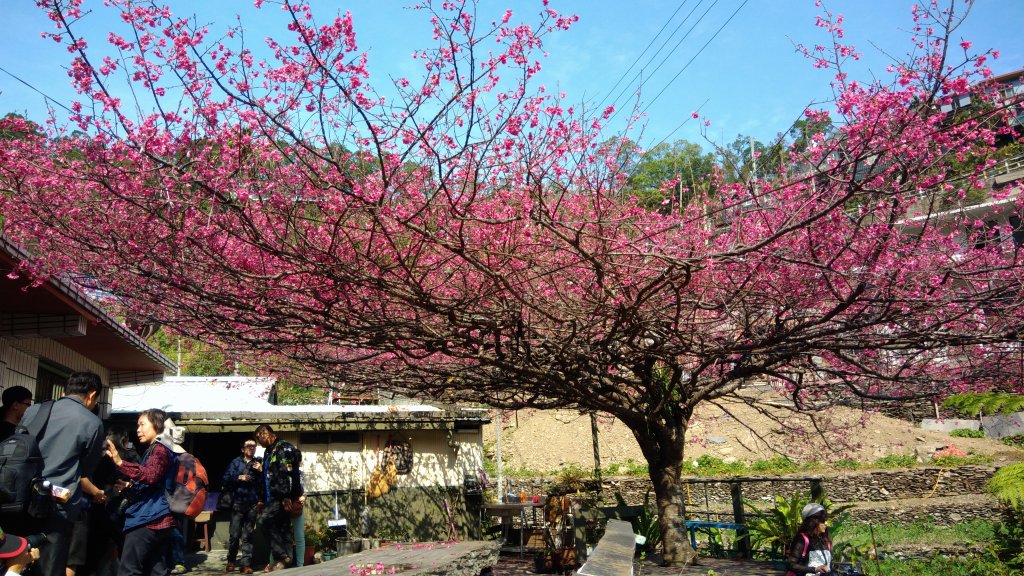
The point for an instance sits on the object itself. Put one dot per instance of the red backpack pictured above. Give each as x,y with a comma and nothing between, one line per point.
187,494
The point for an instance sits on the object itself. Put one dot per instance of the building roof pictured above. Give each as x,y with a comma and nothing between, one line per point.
238,404
107,341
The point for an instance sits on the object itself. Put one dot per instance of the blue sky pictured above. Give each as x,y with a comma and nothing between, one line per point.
748,79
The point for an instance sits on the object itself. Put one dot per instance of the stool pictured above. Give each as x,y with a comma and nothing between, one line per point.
203,520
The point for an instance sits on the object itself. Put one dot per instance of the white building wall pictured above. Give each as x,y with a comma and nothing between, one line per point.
328,467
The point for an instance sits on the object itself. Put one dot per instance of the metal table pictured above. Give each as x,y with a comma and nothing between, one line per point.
509,511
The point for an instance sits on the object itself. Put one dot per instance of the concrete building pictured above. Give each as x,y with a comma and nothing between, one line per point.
438,452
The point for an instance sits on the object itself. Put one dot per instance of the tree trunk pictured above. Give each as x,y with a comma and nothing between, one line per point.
668,491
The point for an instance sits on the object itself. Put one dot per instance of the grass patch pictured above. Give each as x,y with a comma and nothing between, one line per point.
627,468
846,464
921,533
967,433
713,467
943,566
779,464
954,461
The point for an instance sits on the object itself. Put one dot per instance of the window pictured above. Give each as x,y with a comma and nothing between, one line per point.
400,453
50,380
1018,230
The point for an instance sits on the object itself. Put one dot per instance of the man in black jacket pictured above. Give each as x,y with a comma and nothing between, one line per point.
243,484
282,487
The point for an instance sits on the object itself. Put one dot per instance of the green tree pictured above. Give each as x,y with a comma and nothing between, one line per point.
197,358
684,162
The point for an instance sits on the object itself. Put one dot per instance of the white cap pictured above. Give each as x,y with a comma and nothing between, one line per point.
811,509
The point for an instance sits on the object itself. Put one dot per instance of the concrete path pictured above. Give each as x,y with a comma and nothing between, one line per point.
422,559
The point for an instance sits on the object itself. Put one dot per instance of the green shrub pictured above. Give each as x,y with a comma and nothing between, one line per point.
1008,543
775,528
896,461
967,433
974,404
627,468
777,465
1007,484
707,465
846,464
570,479
1017,440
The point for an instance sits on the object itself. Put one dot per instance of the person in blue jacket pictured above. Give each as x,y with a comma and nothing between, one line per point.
148,520
242,480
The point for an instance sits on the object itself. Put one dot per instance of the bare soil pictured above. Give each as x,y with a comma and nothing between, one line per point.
547,441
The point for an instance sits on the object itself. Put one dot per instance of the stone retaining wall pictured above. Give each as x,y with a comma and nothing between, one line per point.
866,486
941,511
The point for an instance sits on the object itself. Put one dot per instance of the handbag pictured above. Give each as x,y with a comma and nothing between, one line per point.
225,500
292,507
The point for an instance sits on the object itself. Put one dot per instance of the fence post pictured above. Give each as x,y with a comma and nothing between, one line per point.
739,517
816,490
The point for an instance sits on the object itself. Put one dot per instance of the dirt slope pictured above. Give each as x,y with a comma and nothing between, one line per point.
550,440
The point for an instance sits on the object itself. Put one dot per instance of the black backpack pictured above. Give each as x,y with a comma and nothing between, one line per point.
21,469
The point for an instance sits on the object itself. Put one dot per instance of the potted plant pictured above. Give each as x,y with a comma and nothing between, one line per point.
315,538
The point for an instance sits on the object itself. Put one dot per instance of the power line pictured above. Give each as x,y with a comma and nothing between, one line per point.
662,47
676,129
33,88
690,61
648,47
681,40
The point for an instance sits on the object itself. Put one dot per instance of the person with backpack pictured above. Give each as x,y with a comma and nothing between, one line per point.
810,553
70,441
279,497
241,484
174,436
148,520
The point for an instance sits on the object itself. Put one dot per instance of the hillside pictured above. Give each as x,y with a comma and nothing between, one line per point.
551,440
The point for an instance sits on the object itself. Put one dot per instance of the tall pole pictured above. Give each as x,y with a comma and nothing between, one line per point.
597,449
497,450
753,159
178,373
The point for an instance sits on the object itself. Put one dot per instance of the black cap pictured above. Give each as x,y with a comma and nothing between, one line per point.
11,545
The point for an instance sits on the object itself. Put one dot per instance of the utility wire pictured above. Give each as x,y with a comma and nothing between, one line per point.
648,47
676,129
690,61
680,42
661,48
33,88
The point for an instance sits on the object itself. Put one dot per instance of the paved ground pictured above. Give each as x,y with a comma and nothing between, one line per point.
511,565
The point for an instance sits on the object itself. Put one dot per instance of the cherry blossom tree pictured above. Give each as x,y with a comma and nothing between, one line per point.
461,236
